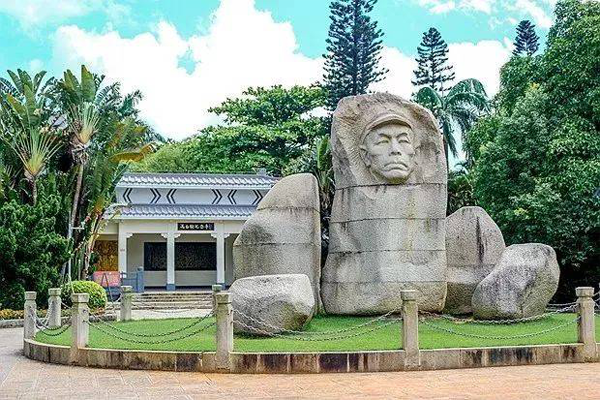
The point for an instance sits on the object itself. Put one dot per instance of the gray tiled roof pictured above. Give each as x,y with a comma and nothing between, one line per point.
158,180
157,211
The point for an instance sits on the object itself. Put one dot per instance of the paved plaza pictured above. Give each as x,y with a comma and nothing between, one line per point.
25,379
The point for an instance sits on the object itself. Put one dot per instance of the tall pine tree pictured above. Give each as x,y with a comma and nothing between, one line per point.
433,70
353,50
527,41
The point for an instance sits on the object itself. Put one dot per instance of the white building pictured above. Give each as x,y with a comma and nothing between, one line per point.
179,228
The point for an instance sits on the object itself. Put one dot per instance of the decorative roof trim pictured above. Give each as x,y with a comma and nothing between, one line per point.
193,212
196,181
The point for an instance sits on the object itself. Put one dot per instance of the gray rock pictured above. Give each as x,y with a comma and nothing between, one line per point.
283,236
474,244
280,301
521,285
387,228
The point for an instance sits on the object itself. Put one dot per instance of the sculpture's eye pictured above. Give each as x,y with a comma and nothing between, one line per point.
382,140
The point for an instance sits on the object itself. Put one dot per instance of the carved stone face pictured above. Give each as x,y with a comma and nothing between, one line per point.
388,152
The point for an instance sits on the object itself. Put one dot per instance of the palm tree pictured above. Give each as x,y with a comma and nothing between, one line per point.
105,170
457,111
79,98
27,125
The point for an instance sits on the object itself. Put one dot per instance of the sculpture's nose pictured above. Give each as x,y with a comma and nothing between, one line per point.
395,147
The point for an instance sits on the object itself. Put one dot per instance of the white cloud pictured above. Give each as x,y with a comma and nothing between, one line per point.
481,60
398,79
444,6
509,10
540,16
35,65
243,47
33,13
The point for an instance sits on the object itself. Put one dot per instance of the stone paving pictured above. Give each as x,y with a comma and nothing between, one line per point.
28,379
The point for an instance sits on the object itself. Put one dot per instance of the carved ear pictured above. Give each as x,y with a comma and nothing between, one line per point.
364,154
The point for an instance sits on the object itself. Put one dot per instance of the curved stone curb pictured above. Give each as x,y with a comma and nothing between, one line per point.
306,363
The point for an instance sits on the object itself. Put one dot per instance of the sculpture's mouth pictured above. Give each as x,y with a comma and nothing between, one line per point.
397,165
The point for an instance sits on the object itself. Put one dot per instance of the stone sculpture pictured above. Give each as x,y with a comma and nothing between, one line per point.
521,285
283,236
474,244
279,302
387,225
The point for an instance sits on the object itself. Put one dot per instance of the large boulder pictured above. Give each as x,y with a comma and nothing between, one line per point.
279,302
387,227
521,285
283,236
474,244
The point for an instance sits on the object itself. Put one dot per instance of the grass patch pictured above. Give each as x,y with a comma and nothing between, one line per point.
386,338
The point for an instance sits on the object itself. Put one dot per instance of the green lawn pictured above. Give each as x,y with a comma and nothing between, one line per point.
387,338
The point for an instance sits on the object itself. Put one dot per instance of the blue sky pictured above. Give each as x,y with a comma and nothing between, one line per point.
188,55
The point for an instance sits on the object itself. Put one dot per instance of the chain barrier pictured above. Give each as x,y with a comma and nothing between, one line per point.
499,321
162,334
321,333
45,329
315,339
108,333
172,312
55,331
477,336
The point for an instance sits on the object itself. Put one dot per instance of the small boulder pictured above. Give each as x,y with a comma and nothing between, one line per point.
521,285
474,244
279,301
283,236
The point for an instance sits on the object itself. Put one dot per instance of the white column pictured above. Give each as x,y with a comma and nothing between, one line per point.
170,236
220,236
123,236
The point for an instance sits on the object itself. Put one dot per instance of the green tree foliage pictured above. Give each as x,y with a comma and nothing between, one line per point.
264,128
527,41
433,68
456,111
31,250
536,161
460,190
353,50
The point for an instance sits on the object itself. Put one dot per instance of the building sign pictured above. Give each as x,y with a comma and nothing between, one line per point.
195,226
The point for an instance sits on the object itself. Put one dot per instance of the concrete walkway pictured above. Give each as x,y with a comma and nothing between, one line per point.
26,379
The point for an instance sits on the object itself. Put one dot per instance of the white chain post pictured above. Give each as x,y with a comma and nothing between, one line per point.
54,308
224,315
80,318
30,314
586,323
410,328
215,289
126,303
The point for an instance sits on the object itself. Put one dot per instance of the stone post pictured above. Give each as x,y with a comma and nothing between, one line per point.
80,318
54,308
410,328
586,324
224,314
29,315
126,303
215,289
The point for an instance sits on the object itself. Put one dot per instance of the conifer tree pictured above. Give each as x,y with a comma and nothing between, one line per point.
527,41
353,50
433,70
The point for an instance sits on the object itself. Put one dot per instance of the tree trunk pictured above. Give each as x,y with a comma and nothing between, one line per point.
76,196
34,191
74,210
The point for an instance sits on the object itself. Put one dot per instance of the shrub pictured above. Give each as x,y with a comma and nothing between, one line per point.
31,250
96,292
